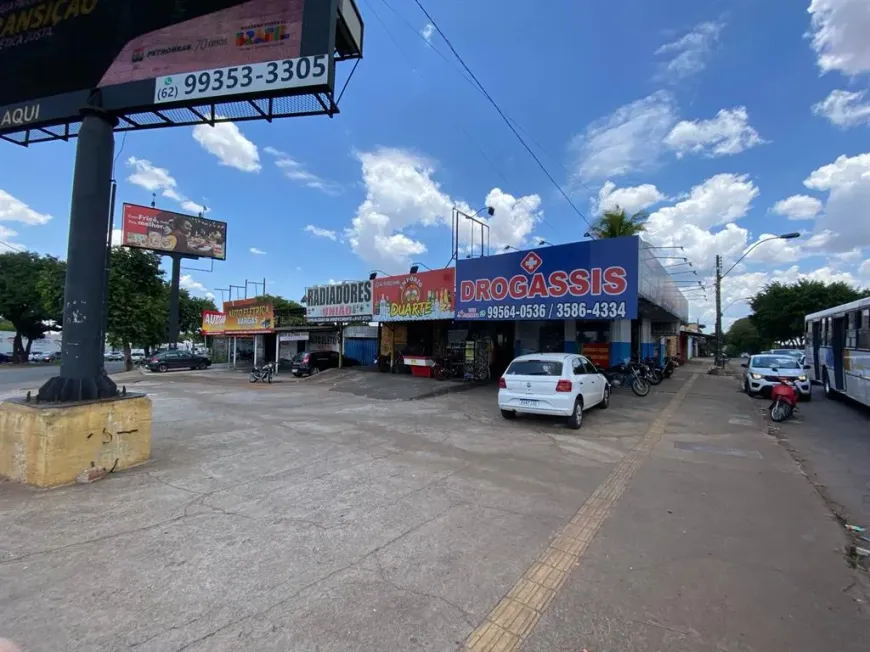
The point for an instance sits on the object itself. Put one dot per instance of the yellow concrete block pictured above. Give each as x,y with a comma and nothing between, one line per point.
49,445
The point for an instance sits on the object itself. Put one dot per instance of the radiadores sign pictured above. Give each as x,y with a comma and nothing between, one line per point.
595,279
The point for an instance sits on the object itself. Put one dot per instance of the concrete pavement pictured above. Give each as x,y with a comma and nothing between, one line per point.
293,517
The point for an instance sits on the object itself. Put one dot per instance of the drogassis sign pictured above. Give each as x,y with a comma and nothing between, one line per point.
348,301
581,280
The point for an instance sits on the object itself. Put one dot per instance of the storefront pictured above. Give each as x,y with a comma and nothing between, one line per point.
416,312
247,328
578,297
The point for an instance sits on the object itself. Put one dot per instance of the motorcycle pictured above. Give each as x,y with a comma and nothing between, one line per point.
263,374
670,365
644,370
626,374
654,371
784,399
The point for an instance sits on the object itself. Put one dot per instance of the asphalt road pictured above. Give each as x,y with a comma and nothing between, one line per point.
33,375
831,440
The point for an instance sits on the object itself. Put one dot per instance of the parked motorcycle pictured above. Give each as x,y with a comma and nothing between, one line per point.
653,371
670,366
784,399
263,374
627,375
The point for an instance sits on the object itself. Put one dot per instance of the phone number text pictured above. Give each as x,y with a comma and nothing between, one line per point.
254,78
600,310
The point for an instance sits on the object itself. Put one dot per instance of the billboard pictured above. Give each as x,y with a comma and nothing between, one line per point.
249,317
583,280
127,56
347,301
213,322
165,231
413,297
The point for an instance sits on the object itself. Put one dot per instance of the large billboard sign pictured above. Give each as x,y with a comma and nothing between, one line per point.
168,232
348,301
412,297
131,56
582,280
249,317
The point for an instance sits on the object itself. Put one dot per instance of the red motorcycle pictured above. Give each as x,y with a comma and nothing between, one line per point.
785,400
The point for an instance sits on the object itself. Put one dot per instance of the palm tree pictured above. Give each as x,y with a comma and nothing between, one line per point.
614,223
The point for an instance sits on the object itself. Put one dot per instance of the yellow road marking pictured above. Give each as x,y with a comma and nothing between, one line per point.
514,618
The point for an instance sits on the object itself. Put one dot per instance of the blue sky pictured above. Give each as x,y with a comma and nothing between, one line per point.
725,119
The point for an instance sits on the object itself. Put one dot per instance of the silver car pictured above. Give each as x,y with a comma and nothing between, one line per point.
765,370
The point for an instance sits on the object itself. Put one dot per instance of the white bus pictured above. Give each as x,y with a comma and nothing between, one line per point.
838,349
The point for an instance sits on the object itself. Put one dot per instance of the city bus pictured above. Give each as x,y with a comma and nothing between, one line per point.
838,349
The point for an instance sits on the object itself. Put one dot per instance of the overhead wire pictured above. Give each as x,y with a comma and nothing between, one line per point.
501,113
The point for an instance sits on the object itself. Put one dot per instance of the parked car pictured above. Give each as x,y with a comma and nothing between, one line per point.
49,356
113,356
5,358
556,384
764,371
177,359
137,356
309,363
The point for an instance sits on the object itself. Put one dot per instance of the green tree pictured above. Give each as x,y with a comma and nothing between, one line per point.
22,276
615,223
137,301
780,309
743,337
287,311
190,311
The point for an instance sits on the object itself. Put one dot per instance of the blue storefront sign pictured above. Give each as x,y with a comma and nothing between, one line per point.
595,279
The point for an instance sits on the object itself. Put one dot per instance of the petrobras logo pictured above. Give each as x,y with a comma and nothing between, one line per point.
531,284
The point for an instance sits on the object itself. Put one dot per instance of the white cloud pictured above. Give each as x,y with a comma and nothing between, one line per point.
296,171
864,270
402,195
775,251
628,140
15,210
845,109
798,207
839,30
117,237
720,199
191,285
320,232
149,176
7,236
847,182
257,252
427,32
632,199
688,55
400,191
514,219
229,144
728,133
193,207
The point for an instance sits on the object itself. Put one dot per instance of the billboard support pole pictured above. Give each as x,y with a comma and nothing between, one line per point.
174,308
82,373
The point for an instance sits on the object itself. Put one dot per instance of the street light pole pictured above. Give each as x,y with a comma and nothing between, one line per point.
718,309
720,276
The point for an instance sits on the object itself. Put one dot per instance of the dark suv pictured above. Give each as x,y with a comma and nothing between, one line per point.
166,360
309,363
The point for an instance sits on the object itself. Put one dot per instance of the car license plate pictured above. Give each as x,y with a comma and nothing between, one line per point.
525,402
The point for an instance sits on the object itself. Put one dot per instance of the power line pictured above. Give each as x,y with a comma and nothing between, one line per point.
502,114
13,247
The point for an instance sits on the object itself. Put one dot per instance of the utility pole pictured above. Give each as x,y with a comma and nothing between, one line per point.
718,310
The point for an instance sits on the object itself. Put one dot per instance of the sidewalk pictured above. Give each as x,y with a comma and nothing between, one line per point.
717,543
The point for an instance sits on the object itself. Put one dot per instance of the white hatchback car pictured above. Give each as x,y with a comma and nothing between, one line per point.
557,384
765,370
